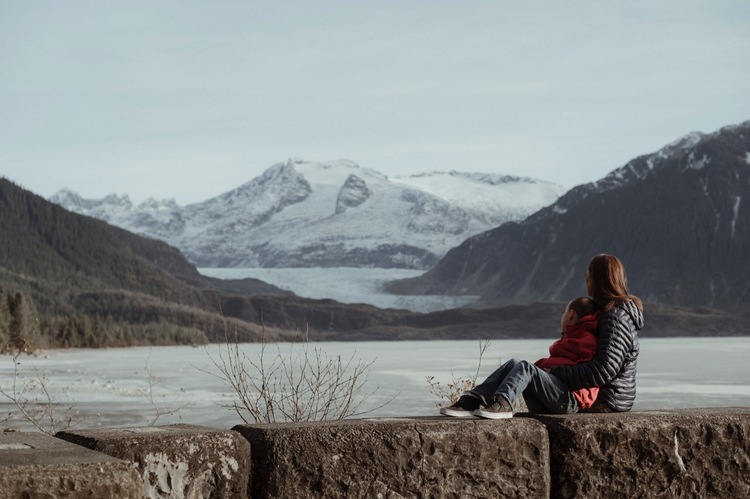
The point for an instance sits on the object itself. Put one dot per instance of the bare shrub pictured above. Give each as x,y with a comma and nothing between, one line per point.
33,400
302,383
450,392
158,408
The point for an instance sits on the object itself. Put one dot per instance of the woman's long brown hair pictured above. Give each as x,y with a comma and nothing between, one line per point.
610,285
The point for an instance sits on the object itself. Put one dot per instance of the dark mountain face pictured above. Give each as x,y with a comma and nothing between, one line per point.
679,220
55,255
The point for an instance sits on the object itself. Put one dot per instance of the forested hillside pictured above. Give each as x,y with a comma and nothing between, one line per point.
73,281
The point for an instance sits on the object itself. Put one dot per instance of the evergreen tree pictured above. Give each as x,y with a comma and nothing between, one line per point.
4,318
23,321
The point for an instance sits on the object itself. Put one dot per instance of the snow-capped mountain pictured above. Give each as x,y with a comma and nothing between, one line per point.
678,219
305,214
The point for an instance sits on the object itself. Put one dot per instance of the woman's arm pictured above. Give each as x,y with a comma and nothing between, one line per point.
614,343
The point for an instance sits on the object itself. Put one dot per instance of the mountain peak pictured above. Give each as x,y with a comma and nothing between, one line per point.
63,195
154,204
676,218
302,213
332,172
98,208
685,142
683,150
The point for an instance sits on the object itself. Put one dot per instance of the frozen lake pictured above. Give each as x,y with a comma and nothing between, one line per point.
110,388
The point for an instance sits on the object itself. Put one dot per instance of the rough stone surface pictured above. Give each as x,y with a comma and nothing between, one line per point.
36,465
177,460
410,457
682,453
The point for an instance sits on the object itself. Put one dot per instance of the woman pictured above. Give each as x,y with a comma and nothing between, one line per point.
613,368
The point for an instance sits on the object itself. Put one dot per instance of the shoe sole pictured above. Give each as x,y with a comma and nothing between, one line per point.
455,413
493,415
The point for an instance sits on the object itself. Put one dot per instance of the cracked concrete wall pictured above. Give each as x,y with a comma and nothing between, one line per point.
410,457
39,466
177,461
684,453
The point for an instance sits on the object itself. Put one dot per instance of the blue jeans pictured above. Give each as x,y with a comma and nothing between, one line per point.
542,392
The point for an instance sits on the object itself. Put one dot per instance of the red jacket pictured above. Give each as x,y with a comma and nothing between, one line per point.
577,345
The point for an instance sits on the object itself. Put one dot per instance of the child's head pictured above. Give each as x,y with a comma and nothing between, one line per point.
580,307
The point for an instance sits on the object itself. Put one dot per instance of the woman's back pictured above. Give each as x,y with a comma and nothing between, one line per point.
615,365
620,327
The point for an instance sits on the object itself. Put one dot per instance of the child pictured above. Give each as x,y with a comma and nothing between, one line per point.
578,344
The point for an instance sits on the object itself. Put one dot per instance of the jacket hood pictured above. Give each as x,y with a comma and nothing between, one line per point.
634,312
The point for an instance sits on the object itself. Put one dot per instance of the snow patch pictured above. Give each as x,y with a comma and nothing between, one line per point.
685,142
699,164
735,212
479,192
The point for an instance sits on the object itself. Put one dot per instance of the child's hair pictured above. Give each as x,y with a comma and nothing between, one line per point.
583,306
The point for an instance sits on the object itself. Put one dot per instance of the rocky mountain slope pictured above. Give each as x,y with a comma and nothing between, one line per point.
679,219
303,214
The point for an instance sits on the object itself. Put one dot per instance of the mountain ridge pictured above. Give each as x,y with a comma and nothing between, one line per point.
305,214
674,217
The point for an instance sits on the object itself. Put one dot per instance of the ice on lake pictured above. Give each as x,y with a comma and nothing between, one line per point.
140,386
132,386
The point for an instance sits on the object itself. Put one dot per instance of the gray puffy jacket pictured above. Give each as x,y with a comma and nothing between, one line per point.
613,369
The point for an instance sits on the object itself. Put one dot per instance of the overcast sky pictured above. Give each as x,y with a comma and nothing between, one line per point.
190,99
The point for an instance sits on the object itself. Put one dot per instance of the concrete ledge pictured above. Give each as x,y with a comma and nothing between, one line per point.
35,465
410,457
176,460
684,453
